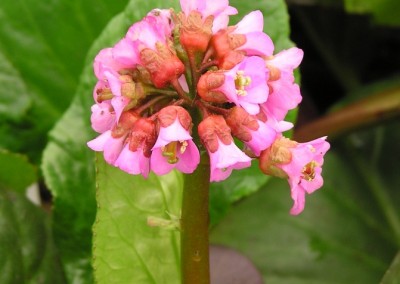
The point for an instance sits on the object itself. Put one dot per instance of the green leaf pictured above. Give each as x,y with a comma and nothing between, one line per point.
42,50
392,275
14,98
28,254
16,173
384,12
126,249
334,240
245,182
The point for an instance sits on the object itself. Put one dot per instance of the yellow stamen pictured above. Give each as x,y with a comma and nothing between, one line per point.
309,171
169,151
184,145
241,82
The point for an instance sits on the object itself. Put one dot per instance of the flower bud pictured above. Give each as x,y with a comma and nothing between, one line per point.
194,32
208,83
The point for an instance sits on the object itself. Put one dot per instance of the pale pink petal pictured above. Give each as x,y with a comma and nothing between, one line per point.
119,103
98,143
128,161
262,138
112,149
257,43
124,53
298,196
252,22
287,60
159,164
190,159
102,119
174,132
226,158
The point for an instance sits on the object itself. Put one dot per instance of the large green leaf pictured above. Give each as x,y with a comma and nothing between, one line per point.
42,49
335,240
245,182
28,254
126,249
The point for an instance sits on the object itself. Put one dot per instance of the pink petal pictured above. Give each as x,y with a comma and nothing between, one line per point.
258,43
112,149
132,162
102,119
190,159
252,22
98,143
287,60
124,53
159,164
174,132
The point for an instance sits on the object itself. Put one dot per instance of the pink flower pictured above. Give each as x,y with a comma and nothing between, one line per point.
225,159
285,94
253,132
245,85
225,156
246,38
174,147
220,10
150,39
300,163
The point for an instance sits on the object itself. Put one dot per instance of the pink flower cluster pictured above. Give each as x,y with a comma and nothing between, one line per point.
172,67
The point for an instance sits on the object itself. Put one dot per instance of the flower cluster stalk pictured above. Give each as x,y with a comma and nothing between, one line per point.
194,225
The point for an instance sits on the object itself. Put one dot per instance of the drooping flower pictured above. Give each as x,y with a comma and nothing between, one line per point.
174,147
225,156
253,132
244,85
300,163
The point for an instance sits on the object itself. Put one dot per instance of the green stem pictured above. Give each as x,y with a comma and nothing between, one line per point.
194,226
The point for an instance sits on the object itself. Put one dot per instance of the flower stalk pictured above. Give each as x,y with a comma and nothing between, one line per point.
194,225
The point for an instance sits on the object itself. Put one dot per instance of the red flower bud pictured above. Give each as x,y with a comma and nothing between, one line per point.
210,129
163,65
206,85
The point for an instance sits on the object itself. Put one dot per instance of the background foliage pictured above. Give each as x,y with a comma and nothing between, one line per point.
350,230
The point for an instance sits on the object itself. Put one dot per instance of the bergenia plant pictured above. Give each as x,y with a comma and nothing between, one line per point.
184,91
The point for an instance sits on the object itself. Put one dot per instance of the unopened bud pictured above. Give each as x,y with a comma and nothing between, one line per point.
163,65
208,83
195,33
211,128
